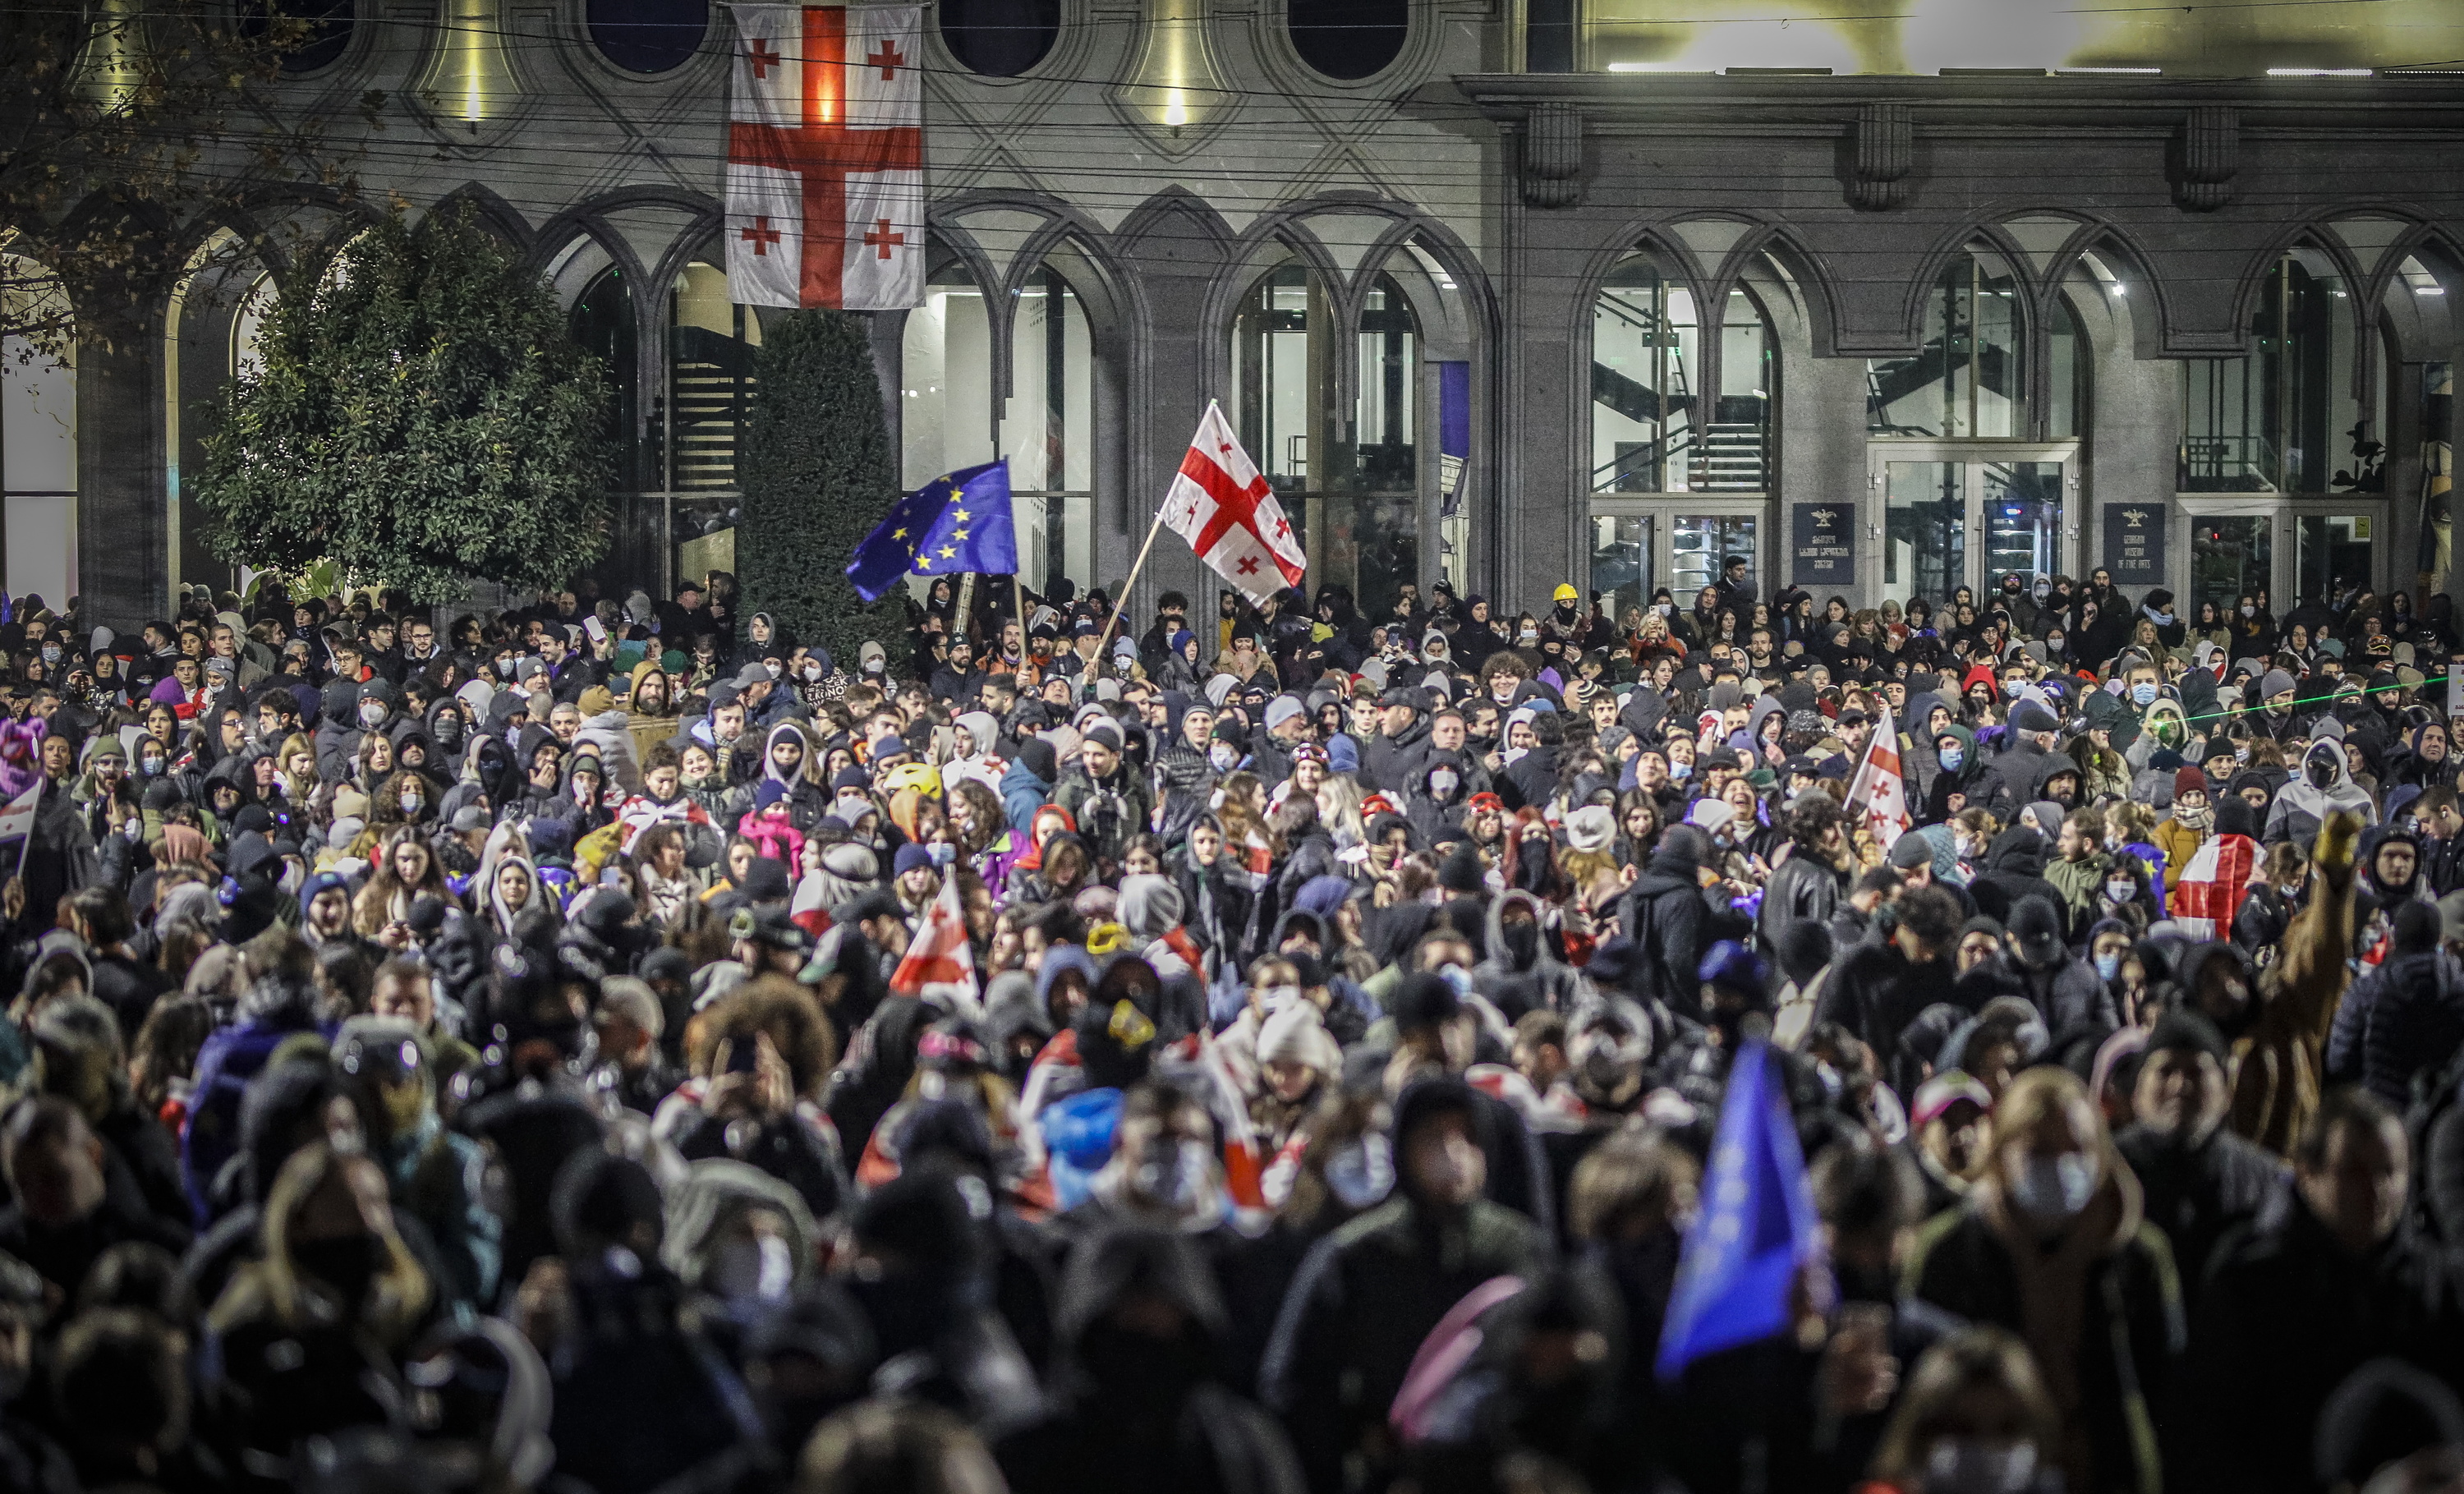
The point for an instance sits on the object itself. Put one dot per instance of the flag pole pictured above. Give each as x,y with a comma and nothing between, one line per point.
1106,641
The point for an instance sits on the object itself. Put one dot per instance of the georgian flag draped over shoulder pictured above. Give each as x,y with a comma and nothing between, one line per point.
1878,794
1219,503
825,157
2213,885
939,955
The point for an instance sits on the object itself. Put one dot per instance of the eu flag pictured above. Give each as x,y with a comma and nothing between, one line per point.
960,522
1757,1228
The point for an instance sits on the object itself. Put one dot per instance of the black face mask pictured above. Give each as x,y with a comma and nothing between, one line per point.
1138,1371
347,1265
2319,774
1523,941
1865,1284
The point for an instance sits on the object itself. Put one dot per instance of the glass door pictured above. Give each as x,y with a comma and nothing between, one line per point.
1925,530
1682,542
1960,514
1620,562
2232,556
2334,557
2293,550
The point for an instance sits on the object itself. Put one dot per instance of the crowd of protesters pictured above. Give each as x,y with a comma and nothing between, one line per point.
484,1054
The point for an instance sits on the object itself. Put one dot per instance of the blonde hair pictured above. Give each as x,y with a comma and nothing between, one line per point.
272,1285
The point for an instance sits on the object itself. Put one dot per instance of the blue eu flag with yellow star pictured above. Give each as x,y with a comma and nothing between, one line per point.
959,522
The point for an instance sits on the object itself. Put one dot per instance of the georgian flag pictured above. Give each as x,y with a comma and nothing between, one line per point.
1219,503
2213,885
825,157
1877,792
940,955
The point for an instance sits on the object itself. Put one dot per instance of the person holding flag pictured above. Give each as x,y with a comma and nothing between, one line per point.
1878,795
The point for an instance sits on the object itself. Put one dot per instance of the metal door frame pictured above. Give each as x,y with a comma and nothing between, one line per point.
1967,455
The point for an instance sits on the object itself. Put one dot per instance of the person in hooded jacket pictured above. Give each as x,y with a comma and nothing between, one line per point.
2403,1017
642,1396
2053,1244
1440,788
1026,786
1368,1295
1962,777
1667,916
2062,986
2322,784
1519,949
2013,869
1146,1402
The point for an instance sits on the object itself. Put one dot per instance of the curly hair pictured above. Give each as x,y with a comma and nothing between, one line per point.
784,1010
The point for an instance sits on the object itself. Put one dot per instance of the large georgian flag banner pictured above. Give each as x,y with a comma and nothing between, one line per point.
1221,503
825,157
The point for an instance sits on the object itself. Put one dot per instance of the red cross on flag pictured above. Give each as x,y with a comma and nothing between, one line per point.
1219,503
825,157
1878,795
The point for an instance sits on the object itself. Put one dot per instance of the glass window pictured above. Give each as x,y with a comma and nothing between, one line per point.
1645,342
1621,561
1350,485
2334,557
2230,556
1700,547
1348,38
1274,337
946,411
2067,383
38,440
2023,515
711,346
2437,475
1374,526
1925,531
602,324
248,324
999,39
1968,379
1733,443
2282,418
1047,429
648,35
329,30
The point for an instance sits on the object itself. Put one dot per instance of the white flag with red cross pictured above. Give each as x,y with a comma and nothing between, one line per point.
1221,503
825,157
940,955
1878,795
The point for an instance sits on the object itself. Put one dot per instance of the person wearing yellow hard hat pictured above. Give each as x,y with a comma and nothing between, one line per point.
1567,625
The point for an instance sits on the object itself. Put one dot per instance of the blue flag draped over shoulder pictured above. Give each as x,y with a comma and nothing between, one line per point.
1757,1227
960,522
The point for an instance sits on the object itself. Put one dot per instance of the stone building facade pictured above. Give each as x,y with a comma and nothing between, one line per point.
1512,293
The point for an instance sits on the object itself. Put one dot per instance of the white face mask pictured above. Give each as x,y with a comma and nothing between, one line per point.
1964,1467
413,804
1362,1175
2054,1188
754,1271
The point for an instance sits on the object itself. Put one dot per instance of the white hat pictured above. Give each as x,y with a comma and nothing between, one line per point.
1592,826
1296,1034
